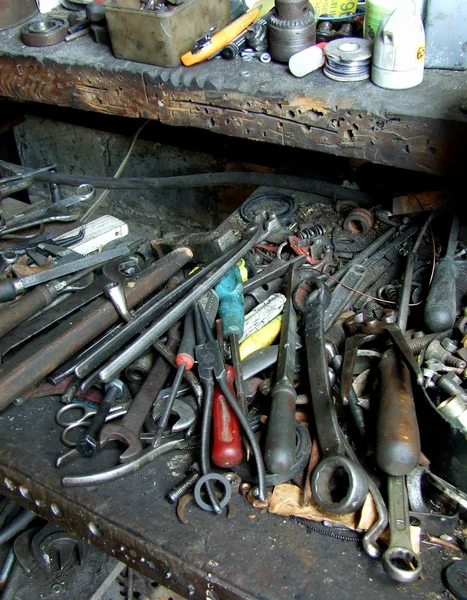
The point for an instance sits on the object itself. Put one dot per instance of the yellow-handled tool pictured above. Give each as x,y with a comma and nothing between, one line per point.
221,39
262,338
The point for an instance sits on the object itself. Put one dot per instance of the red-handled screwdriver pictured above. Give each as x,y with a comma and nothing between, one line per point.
226,440
184,361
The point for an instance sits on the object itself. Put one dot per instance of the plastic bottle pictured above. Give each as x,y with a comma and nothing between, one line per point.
375,12
308,60
399,53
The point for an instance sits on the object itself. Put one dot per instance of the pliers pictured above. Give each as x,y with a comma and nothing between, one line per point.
211,366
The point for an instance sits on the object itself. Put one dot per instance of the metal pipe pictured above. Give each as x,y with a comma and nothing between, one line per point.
159,327
68,338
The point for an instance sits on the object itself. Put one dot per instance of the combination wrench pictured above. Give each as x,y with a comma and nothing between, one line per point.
339,484
400,561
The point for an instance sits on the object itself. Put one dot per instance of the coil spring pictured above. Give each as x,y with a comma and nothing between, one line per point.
310,232
389,292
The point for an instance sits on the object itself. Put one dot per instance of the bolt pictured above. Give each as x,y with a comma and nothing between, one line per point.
245,488
436,351
449,384
436,365
185,485
452,408
419,343
449,345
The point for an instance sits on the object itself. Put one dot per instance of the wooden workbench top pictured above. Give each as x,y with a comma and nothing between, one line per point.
423,129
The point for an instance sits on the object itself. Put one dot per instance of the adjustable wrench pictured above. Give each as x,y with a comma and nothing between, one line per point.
339,484
400,548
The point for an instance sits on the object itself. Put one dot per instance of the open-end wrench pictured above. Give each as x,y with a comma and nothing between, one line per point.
128,429
339,484
400,551
185,412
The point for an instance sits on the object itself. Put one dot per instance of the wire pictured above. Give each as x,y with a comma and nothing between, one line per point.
105,193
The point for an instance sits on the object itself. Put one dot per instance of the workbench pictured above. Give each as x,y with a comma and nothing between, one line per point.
253,555
423,129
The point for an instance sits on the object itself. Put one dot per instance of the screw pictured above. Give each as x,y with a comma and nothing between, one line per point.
185,485
436,351
449,385
436,365
419,343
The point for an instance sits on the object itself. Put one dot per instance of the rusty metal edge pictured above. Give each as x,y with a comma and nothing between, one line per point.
135,551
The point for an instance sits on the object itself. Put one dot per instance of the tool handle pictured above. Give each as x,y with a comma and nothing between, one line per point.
231,310
280,445
226,440
14,314
397,433
440,306
221,39
263,338
7,290
185,355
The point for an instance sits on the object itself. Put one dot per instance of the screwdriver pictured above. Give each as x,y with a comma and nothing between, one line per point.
226,444
221,39
231,312
184,361
280,446
440,306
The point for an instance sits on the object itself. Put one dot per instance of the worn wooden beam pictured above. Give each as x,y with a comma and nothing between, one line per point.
303,120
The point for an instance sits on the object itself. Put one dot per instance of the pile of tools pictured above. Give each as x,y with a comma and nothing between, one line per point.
295,352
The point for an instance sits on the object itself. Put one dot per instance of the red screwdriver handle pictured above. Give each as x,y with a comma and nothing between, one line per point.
226,444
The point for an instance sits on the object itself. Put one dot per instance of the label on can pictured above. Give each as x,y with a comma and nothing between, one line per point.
336,8
375,12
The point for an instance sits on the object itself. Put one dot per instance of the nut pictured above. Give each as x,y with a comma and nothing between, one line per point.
449,345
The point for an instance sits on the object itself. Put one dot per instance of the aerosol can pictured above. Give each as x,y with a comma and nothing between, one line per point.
399,52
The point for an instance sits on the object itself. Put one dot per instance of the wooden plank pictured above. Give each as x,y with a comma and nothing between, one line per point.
421,143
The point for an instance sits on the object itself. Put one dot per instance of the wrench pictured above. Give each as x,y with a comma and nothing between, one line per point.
185,413
339,484
400,549
128,429
265,226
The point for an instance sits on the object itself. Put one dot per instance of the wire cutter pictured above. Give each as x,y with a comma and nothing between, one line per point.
211,366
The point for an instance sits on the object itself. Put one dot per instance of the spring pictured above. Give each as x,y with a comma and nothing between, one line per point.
389,292
310,232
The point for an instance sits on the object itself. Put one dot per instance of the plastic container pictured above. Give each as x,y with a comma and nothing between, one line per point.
398,56
375,12
307,60
161,38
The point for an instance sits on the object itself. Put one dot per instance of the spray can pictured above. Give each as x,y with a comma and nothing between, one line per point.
399,53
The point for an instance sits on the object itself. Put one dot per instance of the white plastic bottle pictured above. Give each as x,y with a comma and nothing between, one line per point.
399,52
307,61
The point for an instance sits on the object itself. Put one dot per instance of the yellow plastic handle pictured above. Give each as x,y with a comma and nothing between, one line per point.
262,338
221,39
